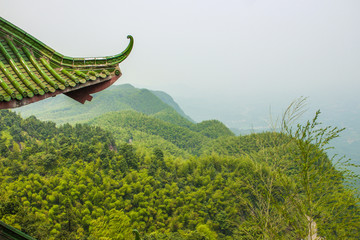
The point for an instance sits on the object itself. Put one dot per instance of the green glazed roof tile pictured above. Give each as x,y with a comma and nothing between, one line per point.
30,69
11,233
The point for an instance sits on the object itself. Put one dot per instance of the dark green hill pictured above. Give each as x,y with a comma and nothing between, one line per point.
132,121
150,117
171,116
213,129
116,98
171,132
240,145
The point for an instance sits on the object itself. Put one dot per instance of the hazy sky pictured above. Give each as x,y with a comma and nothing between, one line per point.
218,58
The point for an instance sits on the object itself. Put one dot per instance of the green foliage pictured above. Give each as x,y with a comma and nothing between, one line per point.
213,129
76,182
116,226
182,137
169,101
116,98
241,145
320,183
171,116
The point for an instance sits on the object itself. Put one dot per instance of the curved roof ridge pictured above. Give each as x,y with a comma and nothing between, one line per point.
31,71
58,58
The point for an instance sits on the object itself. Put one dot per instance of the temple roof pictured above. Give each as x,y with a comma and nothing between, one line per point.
10,233
31,71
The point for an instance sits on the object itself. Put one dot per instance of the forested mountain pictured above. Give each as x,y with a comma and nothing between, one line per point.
170,101
79,182
148,118
126,125
138,162
131,121
213,129
63,109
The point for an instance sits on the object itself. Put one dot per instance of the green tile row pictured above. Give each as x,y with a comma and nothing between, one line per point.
58,58
29,68
25,76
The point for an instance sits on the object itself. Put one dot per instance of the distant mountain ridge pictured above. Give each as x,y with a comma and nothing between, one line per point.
166,98
148,118
116,98
133,125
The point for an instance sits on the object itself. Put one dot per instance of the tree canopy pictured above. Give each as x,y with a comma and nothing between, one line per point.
88,182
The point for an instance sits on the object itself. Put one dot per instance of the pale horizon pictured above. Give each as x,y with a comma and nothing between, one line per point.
212,56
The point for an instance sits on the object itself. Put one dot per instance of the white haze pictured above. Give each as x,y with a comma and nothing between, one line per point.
220,59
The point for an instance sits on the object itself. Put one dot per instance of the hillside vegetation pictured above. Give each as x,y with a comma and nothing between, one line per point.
75,182
142,164
184,138
63,109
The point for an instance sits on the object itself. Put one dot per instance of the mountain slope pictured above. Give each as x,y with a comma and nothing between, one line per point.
182,137
75,182
213,129
150,118
172,116
116,98
170,101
